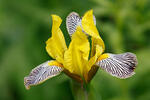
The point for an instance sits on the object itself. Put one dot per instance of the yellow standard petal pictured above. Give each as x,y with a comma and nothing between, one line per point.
96,51
96,42
88,24
90,28
56,46
93,59
76,57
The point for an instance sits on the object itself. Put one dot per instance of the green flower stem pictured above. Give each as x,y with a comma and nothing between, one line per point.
80,90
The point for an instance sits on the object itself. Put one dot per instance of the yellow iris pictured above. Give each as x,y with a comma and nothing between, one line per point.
79,60
75,58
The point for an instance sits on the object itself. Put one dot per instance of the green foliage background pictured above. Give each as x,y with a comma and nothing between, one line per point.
25,25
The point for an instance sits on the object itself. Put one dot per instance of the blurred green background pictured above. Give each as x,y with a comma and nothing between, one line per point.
25,25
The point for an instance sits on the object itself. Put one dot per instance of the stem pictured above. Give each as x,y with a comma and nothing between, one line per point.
79,90
85,94
84,87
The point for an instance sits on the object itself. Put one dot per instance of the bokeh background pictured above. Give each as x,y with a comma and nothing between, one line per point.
25,25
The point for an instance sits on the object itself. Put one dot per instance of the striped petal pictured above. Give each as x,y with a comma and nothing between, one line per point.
118,65
42,73
72,21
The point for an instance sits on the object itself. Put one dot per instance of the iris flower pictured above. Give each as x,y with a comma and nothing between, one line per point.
84,55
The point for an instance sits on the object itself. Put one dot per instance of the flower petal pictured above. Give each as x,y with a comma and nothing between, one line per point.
88,24
118,65
91,67
93,59
56,45
76,57
72,21
42,73
96,42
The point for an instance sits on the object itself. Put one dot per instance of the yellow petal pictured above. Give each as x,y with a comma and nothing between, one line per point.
90,28
91,62
55,63
93,59
56,46
96,51
88,24
103,56
96,42
76,57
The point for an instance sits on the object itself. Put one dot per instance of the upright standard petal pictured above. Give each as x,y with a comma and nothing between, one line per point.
93,59
96,42
118,65
88,24
55,45
76,57
42,73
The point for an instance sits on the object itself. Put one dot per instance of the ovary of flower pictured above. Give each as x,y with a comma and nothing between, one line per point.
80,60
